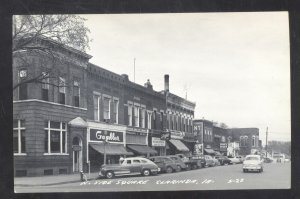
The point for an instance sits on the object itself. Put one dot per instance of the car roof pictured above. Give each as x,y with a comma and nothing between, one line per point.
253,156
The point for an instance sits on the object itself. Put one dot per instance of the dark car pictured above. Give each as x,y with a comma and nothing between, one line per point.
180,164
223,160
129,166
165,163
198,161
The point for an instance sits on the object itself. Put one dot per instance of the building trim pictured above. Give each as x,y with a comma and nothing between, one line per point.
53,103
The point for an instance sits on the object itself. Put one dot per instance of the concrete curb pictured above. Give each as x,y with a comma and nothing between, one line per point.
49,184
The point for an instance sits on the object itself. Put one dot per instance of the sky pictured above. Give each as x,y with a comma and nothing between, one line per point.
235,66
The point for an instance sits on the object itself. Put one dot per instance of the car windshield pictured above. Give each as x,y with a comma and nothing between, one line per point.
252,158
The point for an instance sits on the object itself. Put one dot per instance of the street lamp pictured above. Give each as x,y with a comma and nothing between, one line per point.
105,142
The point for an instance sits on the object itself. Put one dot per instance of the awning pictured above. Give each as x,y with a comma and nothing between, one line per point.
141,149
179,145
209,151
217,153
110,149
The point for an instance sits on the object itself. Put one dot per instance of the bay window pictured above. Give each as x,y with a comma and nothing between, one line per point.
45,86
62,90
76,93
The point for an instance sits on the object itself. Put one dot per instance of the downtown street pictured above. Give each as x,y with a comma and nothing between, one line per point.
230,177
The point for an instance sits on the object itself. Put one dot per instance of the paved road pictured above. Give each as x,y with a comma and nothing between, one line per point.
275,176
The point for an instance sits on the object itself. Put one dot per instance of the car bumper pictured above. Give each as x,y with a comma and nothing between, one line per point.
252,167
155,170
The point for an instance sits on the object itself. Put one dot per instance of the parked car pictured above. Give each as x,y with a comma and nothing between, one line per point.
180,164
223,160
267,160
241,158
209,161
197,161
192,162
129,166
216,161
253,163
234,160
165,163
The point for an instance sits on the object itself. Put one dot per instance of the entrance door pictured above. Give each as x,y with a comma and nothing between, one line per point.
77,154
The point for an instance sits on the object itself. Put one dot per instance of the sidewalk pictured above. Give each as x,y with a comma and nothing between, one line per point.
51,180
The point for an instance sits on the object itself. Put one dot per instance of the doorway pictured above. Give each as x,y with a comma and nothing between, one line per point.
77,154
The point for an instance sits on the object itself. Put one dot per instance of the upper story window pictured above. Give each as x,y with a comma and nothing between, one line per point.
129,115
19,141
45,86
154,119
136,116
106,108
23,86
55,137
96,101
143,117
115,110
149,121
62,90
161,120
76,93
243,141
253,141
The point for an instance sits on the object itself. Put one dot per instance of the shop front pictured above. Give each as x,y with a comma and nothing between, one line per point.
137,142
106,144
176,144
159,145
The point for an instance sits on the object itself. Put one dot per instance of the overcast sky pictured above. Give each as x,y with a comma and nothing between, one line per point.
235,66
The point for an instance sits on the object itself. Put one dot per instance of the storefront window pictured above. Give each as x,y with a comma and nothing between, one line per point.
19,141
55,138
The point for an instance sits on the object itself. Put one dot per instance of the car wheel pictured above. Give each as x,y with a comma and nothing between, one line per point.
244,170
178,168
109,174
169,170
146,172
261,170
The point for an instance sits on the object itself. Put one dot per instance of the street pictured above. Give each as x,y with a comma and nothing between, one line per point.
275,176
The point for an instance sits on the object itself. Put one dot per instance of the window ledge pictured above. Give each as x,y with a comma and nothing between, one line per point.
56,154
20,154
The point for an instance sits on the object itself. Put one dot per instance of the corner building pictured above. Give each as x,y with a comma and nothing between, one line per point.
79,115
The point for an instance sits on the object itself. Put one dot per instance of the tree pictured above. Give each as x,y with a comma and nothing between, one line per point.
65,30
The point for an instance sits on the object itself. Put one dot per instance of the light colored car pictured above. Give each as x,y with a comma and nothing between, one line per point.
234,160
129,166
253,163
216,161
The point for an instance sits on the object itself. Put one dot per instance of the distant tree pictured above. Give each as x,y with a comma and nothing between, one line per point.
65,30
223,125
280,146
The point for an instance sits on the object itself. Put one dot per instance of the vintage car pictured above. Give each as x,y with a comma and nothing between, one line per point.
223,160
165,163
192,162
253,163
180,164
129,166
209,161
235,160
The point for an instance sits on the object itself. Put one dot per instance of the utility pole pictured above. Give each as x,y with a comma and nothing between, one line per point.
134,70
267,143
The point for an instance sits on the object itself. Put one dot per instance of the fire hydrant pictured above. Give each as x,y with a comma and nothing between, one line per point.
82,176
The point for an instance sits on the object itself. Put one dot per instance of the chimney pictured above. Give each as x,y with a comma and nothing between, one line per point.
167,83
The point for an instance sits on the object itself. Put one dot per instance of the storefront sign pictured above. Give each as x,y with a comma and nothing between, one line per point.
198,149
109,136
136,131
223,146
177,135
158,142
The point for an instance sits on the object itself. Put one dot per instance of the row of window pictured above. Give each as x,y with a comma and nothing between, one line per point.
102,108
23,95
55,137
175,122
244,141
208,135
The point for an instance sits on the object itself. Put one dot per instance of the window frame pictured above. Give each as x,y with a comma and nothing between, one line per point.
105,97
98,97
116,110
19,128
136,115
76,85
61,130
129,113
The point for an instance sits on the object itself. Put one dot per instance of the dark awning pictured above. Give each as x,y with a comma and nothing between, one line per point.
209,151
141,149
110,149
179,145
